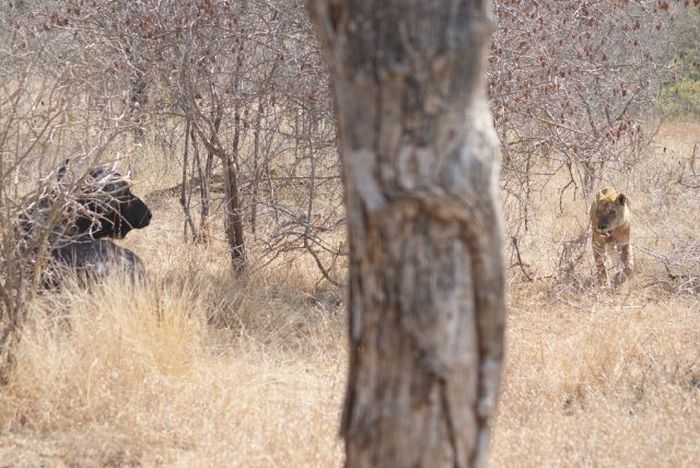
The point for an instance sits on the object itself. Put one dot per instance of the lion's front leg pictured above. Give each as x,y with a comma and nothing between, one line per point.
599,258
625,252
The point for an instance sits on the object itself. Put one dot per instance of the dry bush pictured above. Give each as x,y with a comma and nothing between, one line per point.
235,93
43,121
198,367
574,84
575,92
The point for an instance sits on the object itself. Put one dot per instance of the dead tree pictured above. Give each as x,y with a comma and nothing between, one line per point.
420,168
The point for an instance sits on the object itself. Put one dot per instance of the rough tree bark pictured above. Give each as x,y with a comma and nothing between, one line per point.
233,220
421,166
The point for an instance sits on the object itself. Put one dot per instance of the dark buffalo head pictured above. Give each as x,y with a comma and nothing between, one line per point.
106,207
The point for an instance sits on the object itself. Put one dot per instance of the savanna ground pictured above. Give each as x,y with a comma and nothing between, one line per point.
202,369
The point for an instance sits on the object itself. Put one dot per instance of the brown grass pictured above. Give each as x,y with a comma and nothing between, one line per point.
201,369
607,381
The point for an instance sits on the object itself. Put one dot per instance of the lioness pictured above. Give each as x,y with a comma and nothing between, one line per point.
610,220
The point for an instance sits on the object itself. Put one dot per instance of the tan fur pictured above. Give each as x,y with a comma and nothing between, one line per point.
610,222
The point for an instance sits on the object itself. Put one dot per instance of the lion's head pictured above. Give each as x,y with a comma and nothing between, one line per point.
609,211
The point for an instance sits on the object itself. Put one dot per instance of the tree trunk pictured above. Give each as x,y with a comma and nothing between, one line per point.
234,218
421,166
256,168
233,221
184,192
234,213
204,190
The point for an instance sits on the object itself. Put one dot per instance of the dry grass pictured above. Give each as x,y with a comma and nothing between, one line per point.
607,381
201,369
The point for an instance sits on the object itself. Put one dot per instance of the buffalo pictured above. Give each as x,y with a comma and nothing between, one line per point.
92,210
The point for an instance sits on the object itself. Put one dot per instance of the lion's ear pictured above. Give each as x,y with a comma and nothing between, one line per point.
621,199
601,195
